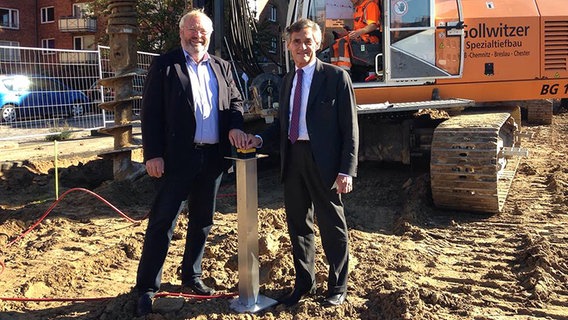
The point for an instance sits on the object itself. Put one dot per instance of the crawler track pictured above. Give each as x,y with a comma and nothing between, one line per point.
468,169
510,265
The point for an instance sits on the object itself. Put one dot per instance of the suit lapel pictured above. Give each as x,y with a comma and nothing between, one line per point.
285,105
317,83
218,75
180,66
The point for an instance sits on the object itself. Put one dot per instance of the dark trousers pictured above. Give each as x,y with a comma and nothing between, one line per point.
306,197
199,186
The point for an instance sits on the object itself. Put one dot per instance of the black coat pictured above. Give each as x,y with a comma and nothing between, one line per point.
331,118
168,120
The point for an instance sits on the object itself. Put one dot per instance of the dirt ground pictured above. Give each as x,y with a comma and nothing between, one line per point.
409,260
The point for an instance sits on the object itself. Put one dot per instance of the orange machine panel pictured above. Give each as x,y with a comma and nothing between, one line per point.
554,28
552,8
502,40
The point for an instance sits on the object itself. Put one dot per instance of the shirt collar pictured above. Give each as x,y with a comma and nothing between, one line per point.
309,69
188,58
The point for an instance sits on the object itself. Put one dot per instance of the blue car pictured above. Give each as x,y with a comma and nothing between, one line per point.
28,97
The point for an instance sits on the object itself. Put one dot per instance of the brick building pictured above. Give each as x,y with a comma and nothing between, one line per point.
271,17
59,24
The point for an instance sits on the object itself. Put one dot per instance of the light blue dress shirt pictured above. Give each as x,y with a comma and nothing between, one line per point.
205,92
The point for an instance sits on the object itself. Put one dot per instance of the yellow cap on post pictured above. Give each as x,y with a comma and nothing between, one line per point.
246,153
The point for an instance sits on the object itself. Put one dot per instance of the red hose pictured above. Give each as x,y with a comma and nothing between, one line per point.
158,295
162,294
55,299
61,198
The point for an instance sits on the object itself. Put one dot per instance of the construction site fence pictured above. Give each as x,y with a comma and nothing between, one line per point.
44,81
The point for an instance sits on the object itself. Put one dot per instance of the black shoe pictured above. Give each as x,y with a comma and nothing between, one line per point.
295,296
334,299
200,288
144,306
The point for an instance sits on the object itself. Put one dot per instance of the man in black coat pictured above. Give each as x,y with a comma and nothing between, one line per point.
192,113
318,149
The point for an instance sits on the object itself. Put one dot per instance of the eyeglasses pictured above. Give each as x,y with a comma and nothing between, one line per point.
198,30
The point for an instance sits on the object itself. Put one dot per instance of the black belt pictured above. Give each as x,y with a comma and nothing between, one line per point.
204,145
299,141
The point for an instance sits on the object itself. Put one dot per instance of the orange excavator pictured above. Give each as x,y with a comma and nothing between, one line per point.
450,82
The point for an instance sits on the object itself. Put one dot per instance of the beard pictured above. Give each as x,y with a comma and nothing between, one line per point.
195,48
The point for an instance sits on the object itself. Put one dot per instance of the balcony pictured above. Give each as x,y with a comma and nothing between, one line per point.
76,24
75,57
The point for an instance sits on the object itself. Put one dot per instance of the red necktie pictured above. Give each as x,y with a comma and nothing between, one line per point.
296,106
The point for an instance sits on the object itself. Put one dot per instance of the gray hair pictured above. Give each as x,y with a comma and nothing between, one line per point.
302,24
196,13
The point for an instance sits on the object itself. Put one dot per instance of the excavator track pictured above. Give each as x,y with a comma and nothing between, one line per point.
469,169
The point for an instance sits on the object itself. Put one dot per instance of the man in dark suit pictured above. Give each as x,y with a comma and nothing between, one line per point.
318,149
192,113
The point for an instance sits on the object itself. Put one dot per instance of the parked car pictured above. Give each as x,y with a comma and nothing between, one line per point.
24,96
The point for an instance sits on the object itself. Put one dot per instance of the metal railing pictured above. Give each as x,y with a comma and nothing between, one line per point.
77,24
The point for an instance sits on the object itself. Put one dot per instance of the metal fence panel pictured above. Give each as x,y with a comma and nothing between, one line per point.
47,92
144,59
50,91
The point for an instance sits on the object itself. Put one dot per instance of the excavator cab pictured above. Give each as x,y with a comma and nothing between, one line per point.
420,40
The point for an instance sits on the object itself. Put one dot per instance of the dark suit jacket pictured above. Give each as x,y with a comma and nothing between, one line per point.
168,121
331,118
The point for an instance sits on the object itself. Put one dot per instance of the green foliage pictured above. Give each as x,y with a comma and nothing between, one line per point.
158,23
158,29
64,135
60,132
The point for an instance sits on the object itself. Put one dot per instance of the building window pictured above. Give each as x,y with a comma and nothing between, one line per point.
9,54
9,18
48,43
272,13
7,43
78,43
273,45
80,10
47,14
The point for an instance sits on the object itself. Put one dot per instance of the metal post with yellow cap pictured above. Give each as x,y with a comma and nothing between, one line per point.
249,299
